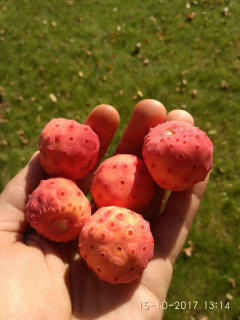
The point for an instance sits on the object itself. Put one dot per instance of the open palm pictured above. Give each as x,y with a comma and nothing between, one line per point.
40,279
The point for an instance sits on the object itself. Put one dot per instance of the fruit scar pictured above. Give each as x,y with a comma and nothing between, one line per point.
177,155
68,148
117,244
57,209
124,181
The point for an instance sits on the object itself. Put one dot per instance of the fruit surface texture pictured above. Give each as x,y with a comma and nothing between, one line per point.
124,181
68,148
117,244
57,209
177,155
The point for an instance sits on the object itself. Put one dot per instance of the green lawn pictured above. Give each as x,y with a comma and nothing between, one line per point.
84,53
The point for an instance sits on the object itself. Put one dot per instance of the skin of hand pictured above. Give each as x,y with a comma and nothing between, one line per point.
40,279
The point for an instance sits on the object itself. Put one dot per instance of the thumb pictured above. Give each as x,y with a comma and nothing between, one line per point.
13,223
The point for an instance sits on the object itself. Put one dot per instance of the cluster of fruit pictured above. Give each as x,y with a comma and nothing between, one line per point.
115,241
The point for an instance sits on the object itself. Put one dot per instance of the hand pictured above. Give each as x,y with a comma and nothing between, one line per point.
40,279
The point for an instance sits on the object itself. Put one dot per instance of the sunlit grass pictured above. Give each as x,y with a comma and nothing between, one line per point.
84,52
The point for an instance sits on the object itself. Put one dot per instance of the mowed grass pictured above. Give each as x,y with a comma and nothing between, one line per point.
85,54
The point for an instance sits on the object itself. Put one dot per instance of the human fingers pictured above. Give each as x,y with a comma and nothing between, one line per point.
161,195
104,120
146,114
172,226
180,115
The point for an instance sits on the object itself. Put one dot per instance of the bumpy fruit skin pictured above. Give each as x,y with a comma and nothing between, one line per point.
177,155
124,181
117,244
57,209
68,148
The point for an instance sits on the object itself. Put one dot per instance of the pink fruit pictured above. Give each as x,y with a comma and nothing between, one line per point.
58,209
68,148
117,244
122,180
177,155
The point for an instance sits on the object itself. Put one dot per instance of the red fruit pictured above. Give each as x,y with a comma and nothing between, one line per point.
68,148
177,155
117,244
123,181
58,209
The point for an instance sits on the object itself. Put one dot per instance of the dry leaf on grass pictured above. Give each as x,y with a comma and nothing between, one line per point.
232,281
138,45
3,143
224,85
194,93
190,16
229,297
53,98
190,243
188,251
212,132
185,72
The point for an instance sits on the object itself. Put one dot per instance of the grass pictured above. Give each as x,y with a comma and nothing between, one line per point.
84,53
